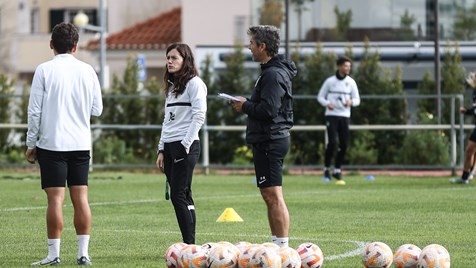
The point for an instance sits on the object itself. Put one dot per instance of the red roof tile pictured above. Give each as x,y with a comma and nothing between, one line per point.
154,33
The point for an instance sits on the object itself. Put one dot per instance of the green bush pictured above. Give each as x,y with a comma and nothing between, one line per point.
112,150
362,150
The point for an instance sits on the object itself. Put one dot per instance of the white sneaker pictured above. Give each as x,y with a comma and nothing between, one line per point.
46,261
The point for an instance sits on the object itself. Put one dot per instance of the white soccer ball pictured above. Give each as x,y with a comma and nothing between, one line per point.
193,256
172,255
247,255
289,258
270,245
434,256
232,247
311,255
243,245
209,245
266,257
377,255
222,257
406,256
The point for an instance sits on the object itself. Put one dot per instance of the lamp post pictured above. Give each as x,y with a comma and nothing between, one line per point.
81,20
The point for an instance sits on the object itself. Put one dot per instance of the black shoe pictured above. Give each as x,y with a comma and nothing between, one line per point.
86,261
327,174
337,175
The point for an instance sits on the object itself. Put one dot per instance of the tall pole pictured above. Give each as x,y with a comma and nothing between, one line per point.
102,42
286,4
437,59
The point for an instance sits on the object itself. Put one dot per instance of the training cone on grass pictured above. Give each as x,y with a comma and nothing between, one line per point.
229,215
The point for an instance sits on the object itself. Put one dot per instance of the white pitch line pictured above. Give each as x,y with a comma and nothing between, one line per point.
360,244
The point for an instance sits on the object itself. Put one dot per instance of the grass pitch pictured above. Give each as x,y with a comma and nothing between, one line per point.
133,224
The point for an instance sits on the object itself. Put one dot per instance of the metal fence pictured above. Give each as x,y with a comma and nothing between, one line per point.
456,137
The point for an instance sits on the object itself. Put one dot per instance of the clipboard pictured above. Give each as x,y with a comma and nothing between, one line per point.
227,97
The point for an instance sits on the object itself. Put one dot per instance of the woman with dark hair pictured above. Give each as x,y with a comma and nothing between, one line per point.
179,147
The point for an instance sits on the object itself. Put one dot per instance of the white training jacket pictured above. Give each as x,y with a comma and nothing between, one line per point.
337,92
65,93
184,114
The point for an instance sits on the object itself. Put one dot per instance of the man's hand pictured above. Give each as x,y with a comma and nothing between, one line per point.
30,155
238,105
462,110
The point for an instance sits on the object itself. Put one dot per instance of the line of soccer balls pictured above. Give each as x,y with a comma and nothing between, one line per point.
379,255
224,254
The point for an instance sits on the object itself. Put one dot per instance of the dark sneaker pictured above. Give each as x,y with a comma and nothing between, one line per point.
337,175
86,261
327,174
459,181
46,261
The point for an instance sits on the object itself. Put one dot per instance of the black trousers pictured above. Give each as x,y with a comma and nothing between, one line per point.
178,167
337,128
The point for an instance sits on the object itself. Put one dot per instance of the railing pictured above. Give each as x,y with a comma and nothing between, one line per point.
455,131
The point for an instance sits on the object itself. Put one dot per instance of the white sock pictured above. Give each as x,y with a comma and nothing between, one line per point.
273,239
337,170
53,248
83,245
282,242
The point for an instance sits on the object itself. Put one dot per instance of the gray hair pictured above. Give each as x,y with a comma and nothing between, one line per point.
267,34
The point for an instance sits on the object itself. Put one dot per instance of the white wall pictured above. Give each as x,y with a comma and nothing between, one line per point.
206,22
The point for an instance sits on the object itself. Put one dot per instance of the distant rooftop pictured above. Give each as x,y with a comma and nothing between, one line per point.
154,33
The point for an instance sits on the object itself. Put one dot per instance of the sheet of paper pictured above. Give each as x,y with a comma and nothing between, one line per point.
227,97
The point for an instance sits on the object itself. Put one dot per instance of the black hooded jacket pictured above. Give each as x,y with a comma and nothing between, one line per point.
270,108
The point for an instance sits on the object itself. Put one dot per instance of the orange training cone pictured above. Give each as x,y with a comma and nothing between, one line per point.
229,215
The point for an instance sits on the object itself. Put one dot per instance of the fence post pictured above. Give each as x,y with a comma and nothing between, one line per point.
453,138
205,143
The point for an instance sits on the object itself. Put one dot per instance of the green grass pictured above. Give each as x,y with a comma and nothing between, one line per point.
133,224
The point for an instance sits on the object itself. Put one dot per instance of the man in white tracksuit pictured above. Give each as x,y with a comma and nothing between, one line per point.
338,94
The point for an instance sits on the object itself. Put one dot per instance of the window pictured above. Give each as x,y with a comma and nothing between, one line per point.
35,20
60,15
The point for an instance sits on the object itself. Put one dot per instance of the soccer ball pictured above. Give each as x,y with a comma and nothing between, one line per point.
266,257
434,256
270,245
232,247
193,256
311,255
243,245
289,258
247,255
377,255
209,245
406,256
222,257
172,255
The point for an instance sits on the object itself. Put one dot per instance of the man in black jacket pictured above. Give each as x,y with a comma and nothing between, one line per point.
270,117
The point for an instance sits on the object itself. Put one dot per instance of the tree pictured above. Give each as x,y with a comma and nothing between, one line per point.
6,88
313,70
343,20
299,7
377,81
234,80
271,13
463,26
129,104
406,22
452,74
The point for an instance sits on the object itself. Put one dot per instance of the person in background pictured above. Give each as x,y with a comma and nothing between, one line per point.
470,151
338,94
65,93
179,146
270,117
